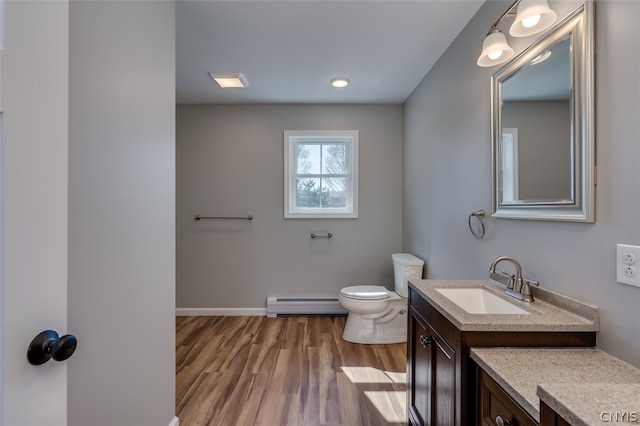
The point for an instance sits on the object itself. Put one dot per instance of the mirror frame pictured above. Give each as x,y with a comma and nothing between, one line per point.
582,206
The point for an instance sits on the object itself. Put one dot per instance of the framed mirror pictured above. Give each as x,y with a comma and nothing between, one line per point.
542,126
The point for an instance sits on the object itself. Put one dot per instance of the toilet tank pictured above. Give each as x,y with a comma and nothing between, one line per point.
405,267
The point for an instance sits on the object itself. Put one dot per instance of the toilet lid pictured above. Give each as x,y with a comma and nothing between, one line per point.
369,292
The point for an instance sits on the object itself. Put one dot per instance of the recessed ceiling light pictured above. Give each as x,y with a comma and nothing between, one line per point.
340,82
229,79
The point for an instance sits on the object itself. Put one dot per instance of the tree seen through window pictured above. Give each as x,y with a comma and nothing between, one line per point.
321,175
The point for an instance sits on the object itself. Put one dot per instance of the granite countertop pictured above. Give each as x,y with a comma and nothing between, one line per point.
585,386
548,312
593,403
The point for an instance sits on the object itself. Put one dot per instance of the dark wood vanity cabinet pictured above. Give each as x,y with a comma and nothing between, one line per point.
441,379
494,403
548,417
496,408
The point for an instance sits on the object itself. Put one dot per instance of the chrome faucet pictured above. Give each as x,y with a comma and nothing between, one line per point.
516,285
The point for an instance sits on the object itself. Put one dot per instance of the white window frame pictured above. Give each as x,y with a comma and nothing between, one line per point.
294,137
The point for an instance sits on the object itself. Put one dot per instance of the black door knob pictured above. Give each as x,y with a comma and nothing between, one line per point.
48,344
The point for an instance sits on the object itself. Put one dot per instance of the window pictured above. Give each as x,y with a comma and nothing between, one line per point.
509,159
321,174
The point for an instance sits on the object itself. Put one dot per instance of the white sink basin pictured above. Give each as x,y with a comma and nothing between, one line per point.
480,301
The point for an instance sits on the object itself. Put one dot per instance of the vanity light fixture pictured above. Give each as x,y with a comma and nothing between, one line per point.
340,82
229,79
531,17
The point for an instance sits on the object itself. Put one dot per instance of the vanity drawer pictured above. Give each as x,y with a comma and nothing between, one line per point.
493,402
548,417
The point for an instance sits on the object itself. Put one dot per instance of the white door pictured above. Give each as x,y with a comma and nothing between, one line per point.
88,211
34,95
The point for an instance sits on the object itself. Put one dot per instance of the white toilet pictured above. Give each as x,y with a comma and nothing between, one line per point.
377,315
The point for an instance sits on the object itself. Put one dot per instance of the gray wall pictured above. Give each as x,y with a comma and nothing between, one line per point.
230,162
544,137
447,176
122,213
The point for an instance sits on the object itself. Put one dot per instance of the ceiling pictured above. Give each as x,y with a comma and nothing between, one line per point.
289,50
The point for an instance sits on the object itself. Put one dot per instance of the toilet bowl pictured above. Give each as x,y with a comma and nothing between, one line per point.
376,314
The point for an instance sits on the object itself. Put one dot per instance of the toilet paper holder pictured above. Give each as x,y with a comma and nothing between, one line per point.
327,235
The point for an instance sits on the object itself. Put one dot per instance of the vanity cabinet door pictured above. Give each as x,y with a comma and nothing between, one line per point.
444,382
419,375
431,376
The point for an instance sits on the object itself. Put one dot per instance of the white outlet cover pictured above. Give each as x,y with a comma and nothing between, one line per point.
625,273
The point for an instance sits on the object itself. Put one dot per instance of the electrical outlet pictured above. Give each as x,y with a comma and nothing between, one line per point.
627,264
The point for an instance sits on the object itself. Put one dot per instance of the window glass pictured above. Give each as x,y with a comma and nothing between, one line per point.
308,158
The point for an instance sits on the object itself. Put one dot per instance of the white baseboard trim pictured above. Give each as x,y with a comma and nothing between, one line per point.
175,422
221,312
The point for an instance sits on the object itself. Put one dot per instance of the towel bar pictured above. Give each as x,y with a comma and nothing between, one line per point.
198,217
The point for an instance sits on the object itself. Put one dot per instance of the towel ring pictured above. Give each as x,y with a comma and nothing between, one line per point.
479,215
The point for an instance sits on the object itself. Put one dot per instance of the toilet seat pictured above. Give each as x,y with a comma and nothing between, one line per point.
365,292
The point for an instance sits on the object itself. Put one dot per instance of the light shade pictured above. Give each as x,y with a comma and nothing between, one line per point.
229,79
532,17
340,82
495,49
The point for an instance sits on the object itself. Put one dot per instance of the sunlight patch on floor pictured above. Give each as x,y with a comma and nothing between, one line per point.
392,405
397,377
373,375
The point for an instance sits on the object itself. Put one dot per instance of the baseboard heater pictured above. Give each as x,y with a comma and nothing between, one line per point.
292,306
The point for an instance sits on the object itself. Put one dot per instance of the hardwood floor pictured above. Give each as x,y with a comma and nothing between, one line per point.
294,371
